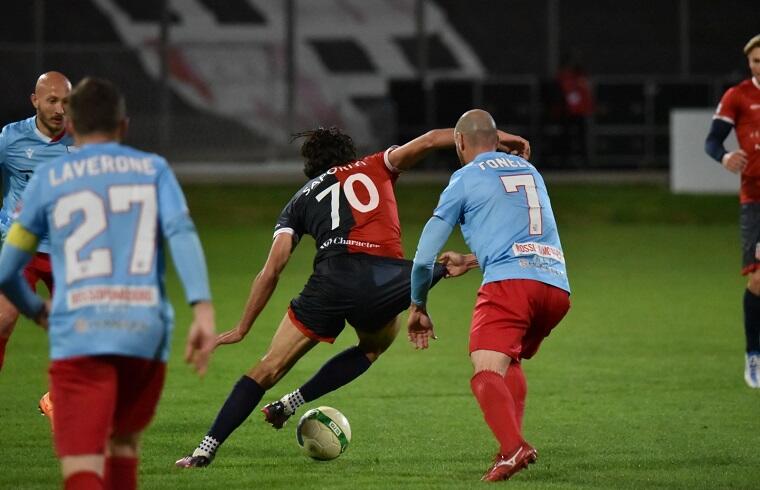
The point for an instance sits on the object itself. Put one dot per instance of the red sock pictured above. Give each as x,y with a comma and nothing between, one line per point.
121,473
3,343
84,480
517,386
498,409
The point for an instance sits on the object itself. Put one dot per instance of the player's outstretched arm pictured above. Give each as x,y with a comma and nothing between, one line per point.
516,145
409,154
263,286
457,264
201,337
419,325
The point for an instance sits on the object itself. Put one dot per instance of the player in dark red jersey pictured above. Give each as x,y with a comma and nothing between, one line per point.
740,109
360,276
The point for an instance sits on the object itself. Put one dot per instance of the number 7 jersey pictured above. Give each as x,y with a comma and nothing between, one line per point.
350,208
106,209
506,217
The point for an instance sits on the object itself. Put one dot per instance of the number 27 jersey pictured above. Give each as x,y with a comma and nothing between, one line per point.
351,208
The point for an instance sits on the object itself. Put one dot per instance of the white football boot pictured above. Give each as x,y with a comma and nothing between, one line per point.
752,370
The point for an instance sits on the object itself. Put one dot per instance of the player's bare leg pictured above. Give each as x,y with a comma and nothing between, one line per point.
752,329
500,413
85,470
287,347
336,372
8,318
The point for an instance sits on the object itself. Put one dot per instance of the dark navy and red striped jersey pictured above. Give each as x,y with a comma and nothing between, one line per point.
350,208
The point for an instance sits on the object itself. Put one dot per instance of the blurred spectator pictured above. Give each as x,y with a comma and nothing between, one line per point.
577,106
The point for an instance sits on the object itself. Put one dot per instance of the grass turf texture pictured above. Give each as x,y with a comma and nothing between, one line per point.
640,387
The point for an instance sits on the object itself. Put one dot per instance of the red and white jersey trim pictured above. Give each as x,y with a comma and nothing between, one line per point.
387,160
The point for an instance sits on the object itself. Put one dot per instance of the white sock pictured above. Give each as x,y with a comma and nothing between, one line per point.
207,447
292,401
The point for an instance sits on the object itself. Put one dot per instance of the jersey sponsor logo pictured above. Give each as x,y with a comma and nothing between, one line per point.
29,152
342,241
542,264
85,325
754,107
112,296
533,248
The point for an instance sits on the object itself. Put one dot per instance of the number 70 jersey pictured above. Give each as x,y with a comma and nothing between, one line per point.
502,205
351,208
106,209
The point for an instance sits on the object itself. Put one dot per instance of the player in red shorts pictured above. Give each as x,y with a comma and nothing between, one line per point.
501,203
740,109
25,145
109,211
359,277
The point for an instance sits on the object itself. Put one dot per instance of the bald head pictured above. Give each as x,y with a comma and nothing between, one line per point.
52,80
49,93
475,133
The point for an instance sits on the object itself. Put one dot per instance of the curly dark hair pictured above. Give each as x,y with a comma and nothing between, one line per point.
325,148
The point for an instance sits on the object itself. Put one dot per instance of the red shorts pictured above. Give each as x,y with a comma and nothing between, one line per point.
513,316
99,396
39,269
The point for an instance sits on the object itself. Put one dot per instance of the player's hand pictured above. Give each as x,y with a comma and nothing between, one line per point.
454,262
420,327
232,336
514,145
735,161
42,317
200,339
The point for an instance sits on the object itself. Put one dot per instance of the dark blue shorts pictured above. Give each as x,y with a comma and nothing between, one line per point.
750,227
363,290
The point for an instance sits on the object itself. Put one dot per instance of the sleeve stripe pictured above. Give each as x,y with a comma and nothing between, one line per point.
724,118
21,238
284,230
388,162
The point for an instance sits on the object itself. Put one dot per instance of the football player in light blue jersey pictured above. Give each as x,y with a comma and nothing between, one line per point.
107,210
502,206
25,145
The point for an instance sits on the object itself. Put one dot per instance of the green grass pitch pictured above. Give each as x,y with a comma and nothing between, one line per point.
639,387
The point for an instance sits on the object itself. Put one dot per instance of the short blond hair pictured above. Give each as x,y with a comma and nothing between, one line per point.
752,44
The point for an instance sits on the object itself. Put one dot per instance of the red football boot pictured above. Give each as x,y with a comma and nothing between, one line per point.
504,467
46,408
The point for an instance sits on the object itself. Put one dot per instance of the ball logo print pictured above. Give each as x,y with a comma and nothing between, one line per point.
323,433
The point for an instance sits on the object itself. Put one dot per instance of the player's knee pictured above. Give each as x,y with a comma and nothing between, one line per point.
124,445
374,349
753,283
82,463
268,372
8,318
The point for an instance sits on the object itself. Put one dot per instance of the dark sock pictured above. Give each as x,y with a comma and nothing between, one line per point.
338,371
752,321
239,404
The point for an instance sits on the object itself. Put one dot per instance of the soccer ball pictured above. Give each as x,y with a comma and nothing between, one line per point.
323,433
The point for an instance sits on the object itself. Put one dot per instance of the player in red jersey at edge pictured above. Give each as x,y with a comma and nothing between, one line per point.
740,109
359,277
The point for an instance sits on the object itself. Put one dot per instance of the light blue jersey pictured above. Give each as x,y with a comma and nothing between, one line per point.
106,209
506,217
23,148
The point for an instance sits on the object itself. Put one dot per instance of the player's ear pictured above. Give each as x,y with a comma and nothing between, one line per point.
33,98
